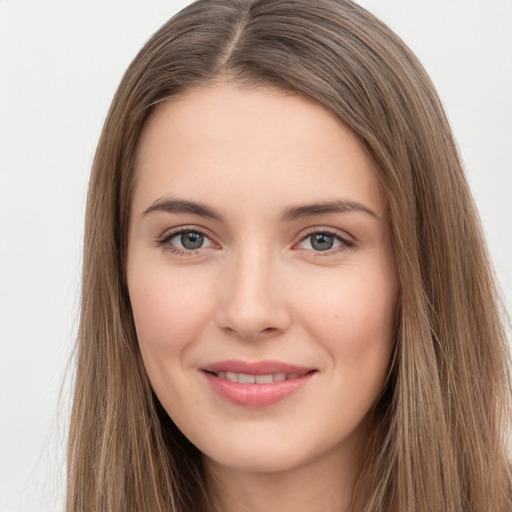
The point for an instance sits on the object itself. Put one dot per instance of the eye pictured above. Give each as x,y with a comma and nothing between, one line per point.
321,241
186,240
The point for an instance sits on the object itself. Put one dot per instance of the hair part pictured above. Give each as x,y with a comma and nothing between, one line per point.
441,421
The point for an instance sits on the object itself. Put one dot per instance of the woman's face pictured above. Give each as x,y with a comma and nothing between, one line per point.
261,276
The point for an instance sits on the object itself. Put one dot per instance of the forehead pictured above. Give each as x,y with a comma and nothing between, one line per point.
233,143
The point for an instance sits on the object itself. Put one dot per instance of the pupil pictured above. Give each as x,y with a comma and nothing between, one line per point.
322,242
192,240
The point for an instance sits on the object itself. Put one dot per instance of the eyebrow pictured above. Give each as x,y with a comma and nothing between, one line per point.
289,214
339,206
181,206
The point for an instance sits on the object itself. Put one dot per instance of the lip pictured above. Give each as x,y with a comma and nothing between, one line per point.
256,395
255,368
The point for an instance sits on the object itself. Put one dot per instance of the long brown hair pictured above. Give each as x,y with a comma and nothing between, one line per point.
441,421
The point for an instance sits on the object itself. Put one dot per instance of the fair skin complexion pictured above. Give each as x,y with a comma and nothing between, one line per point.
258,233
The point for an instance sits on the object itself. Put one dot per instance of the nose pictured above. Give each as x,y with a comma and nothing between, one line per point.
252,305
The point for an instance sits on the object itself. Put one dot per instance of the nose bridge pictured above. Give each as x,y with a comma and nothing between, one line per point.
252,305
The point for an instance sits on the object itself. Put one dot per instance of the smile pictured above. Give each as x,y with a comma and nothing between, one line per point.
259,384
245,378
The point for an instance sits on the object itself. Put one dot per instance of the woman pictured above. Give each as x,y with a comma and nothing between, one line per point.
287,301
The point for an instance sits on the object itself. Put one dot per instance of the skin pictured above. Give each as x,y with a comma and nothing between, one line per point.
259,289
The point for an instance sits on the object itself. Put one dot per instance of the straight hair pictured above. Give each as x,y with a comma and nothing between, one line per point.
441,421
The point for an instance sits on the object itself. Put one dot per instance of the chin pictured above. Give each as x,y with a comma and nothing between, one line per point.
256,451
256,461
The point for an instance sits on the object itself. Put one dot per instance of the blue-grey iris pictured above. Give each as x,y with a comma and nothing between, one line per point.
322,241
192,240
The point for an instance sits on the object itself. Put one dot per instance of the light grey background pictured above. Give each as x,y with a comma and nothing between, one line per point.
60,62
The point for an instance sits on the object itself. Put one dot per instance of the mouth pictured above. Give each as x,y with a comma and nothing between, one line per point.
257,384
247,378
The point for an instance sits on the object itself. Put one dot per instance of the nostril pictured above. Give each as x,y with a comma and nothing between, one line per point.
254,334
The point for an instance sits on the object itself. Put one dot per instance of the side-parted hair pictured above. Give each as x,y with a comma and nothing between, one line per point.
442,419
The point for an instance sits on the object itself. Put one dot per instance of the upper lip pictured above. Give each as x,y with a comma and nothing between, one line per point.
265,367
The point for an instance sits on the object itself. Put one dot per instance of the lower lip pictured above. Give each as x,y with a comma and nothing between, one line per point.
256,395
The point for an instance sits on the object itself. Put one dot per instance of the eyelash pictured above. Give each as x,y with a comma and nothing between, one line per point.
345,243
164,242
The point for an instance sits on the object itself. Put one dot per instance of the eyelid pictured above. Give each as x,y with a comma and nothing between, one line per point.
168,235
171,233
346,241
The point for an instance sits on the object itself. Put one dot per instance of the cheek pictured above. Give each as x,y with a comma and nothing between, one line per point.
355,303
355,322
169,315
360,343
168,312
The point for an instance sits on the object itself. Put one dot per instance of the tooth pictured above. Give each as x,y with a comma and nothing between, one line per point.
264,379
243,378
221,375
233,377
292,376
279,377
